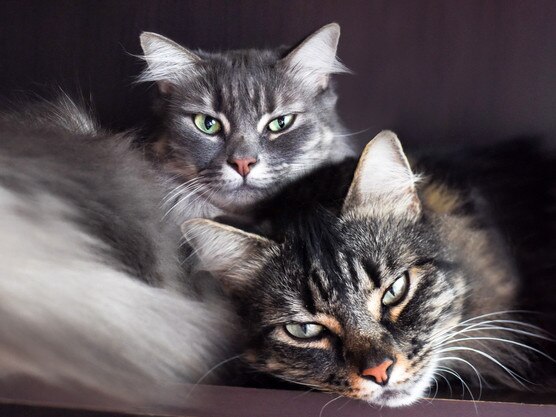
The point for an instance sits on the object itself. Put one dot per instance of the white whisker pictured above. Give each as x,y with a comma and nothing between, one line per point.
463,383
206,374
479,378
513,342
513,374
328,403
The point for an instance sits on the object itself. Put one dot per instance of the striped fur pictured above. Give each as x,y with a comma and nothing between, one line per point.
334,268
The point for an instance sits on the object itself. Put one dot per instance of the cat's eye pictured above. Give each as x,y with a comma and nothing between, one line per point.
207,124
304,330
397,291
281,123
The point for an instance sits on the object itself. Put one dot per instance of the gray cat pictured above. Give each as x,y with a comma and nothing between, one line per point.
91,284
405,285
237,126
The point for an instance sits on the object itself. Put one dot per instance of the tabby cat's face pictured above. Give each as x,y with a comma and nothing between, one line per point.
356,310
239,125
354,305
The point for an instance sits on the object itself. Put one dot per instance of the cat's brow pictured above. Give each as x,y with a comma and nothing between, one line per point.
317,288
308,298
372,272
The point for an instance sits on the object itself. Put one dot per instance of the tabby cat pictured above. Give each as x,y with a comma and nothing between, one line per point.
403,286
235,127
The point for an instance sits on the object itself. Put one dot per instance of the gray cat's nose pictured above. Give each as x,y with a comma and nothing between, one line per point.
379,373
242,166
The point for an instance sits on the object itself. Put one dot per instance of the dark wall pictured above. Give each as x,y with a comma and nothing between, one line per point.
432,70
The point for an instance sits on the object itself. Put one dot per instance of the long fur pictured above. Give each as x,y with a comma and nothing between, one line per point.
91,289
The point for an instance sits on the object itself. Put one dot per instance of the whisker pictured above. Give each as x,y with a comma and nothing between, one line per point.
463,383
328,403
498,339
506,329
469,323
436,390
513,374
304,393
206,374
352,133
479,378
447,381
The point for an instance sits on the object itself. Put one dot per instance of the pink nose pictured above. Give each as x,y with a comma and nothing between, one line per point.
243,166
379,373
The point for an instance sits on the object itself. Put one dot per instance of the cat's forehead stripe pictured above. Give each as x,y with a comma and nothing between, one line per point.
372,272
243,100
319,289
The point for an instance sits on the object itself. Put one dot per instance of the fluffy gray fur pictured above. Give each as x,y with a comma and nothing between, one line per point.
91,288
244,91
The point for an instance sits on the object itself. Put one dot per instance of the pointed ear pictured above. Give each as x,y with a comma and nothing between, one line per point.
315,58
229,253
383,182
167,62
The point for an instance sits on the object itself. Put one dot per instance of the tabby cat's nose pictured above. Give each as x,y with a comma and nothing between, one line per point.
242,166
379,373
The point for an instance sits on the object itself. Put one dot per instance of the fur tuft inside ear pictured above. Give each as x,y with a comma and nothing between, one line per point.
167,62
383,182
315,58
229,253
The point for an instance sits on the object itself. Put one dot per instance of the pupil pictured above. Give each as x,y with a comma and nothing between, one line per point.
304,328
281,122
209,122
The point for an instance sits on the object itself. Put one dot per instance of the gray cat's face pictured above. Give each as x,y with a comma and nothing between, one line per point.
356,305
239,125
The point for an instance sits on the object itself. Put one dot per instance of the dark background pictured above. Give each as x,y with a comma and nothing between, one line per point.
434,71
437,72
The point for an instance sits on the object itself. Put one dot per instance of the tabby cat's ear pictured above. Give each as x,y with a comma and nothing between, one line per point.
230,254
383,182
315,58
167,62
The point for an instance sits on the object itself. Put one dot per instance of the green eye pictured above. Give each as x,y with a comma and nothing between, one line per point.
207,124
397,291
281,123
304,330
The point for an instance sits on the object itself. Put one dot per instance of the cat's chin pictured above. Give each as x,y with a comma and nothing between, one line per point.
239,198
394,398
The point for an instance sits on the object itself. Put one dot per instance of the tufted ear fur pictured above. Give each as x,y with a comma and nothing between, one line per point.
383,182
315,58
231,254
167,62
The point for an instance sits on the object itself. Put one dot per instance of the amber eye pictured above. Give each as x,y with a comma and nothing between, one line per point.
397,291
304,330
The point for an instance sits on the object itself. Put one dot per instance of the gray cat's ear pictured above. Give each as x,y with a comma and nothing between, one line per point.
229,253
167,62
315,58
383,182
